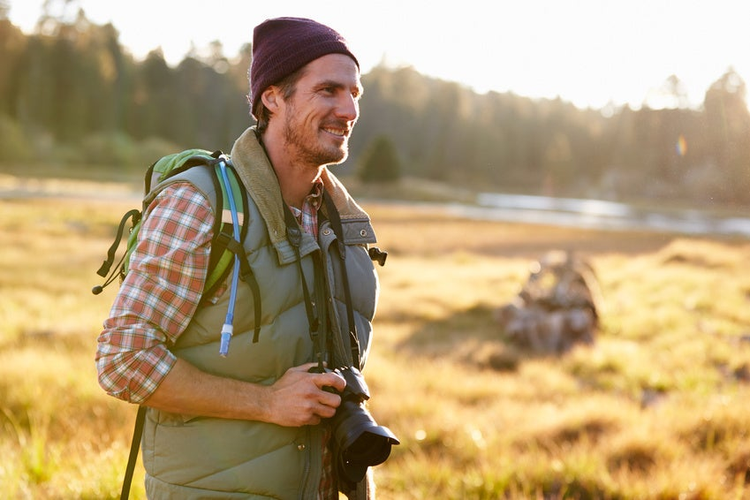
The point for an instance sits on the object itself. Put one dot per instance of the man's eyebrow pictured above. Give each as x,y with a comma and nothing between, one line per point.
331,83
338,85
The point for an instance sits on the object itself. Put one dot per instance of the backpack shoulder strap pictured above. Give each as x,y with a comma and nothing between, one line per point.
224,246
134,216
203,173
140,419
230,189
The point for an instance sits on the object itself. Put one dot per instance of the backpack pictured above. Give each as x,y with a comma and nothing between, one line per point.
227,252
161,170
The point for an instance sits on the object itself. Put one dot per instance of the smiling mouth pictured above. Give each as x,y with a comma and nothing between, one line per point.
343,133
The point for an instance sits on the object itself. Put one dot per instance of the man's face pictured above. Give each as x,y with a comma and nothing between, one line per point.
318,118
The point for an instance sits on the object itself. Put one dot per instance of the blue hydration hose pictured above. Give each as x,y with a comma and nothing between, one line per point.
228,329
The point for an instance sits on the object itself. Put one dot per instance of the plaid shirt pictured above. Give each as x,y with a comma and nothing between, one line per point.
159,296
161,293
307,216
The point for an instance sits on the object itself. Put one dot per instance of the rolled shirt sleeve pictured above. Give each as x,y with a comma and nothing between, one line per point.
157,299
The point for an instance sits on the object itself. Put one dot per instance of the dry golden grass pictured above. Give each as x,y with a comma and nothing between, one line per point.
656,408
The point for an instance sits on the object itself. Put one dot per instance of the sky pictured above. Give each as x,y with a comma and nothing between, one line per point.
593,53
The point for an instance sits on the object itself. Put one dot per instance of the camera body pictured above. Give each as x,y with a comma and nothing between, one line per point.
359,442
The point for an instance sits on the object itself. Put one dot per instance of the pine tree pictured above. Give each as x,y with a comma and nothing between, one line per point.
380,162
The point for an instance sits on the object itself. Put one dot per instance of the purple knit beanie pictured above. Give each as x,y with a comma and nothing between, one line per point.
283,45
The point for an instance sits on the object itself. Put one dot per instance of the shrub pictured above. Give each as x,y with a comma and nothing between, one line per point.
108,148
380,162
14,144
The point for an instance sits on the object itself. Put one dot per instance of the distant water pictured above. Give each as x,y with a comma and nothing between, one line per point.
598,214
574,212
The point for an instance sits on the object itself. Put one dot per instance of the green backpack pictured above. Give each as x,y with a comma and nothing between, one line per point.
227,252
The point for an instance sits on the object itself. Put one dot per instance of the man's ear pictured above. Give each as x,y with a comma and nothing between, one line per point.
270,98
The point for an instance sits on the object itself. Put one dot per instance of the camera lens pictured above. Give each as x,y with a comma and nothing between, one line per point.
360,441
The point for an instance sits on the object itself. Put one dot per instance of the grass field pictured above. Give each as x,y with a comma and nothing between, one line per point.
657,408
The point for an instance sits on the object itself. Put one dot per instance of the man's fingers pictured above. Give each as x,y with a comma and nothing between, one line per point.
305,398
303,368
314,420
330,379
322,380
329,399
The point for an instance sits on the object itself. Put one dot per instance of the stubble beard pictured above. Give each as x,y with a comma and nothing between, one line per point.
310,150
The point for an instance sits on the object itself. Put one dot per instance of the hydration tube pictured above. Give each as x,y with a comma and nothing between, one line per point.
228,329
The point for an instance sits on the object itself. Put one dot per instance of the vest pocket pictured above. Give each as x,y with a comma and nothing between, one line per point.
225,455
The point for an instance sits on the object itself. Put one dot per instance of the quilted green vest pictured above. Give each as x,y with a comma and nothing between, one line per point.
189,457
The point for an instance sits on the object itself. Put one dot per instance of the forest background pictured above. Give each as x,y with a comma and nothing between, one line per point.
72,95
656,408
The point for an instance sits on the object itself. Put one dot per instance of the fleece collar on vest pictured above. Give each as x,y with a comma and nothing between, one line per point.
255,170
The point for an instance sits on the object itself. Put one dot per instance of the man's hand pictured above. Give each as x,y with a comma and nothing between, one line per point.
298,398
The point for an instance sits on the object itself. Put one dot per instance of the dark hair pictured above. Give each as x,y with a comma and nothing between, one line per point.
288,86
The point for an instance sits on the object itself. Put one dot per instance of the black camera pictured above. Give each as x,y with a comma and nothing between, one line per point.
359,442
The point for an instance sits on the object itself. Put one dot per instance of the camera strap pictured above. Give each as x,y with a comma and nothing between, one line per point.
338,230
314,319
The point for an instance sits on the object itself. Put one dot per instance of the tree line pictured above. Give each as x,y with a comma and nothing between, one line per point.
71,94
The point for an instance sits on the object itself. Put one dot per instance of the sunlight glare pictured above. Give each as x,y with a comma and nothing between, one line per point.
681,146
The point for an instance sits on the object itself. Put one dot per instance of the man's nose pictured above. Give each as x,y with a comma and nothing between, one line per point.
348,108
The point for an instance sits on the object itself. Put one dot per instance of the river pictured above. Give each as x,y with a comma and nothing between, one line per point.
599,214
584,213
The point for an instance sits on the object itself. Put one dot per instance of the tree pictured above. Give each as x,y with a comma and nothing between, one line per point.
12,50
380,163
155,100
671,94
727,123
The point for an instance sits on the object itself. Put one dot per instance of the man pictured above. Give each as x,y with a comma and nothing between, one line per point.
253,424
